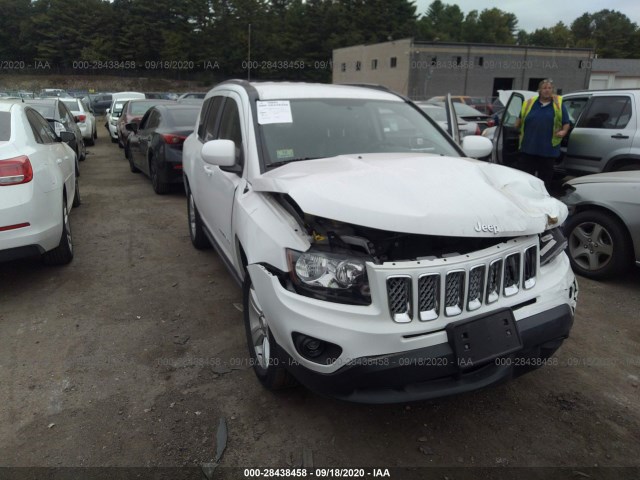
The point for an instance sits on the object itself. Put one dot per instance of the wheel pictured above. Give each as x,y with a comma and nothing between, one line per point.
158,185
80,158
95,134
76,198
89,142
63,253
196,231
598,244
261,343
132,167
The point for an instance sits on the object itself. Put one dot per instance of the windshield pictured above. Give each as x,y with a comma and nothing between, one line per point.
139,109
319,128
47,111
117,110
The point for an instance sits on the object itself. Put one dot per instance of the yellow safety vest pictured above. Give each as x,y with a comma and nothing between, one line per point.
557,118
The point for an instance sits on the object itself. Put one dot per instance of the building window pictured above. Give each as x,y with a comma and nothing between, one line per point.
343,67
358,66
480,61
374,64
394,62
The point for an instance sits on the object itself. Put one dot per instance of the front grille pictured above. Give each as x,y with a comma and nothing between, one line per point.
451,291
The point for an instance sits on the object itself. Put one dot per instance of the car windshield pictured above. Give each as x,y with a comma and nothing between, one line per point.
325,127
117,109
5,126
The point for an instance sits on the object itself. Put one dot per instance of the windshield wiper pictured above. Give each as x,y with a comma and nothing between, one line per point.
284,162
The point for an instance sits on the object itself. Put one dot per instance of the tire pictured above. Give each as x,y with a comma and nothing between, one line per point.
63,253
158,185
95,134
196,231
598,247
261,343
113,140
76,199
80,159
132,167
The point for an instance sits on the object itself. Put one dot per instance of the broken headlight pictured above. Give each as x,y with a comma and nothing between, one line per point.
330,276
552,243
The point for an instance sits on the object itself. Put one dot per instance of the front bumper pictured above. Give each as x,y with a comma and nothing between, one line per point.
435,372
375,363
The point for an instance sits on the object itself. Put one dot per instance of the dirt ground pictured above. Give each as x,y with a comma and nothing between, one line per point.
131,355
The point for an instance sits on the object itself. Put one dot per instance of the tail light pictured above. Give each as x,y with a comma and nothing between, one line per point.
15,171
80,118
490,122
173,139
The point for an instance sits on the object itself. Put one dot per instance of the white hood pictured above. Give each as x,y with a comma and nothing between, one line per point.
417,193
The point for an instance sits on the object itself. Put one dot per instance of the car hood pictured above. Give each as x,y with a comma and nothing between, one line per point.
610,177
417,193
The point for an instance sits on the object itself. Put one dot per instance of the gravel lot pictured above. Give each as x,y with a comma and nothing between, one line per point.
132,355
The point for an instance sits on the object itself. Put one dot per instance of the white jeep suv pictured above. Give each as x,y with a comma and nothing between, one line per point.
378,263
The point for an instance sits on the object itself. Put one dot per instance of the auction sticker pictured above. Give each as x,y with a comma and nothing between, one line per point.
278,111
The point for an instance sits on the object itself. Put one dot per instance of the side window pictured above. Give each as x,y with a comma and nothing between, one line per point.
211,119
64,115
230,128
575,106
610,112
153,120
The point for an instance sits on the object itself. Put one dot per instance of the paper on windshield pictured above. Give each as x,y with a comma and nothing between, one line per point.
277,111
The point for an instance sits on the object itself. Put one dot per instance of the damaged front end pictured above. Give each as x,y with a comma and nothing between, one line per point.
334,268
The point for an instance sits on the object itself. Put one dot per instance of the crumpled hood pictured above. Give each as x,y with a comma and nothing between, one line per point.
417,193
609,177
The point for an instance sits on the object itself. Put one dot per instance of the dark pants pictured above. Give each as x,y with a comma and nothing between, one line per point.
541,167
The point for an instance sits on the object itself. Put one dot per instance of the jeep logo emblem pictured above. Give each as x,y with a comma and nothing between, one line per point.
486,228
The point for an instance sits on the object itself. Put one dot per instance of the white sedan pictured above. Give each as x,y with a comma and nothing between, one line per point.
84,117
38,186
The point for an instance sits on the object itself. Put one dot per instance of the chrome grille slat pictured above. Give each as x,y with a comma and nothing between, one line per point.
429,296
462,287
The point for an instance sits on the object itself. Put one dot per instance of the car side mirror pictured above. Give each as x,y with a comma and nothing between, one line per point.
131,127
221,153
475,146
107,111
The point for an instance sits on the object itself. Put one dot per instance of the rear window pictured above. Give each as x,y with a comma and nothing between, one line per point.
5,126
184,117
139,108
71,105
47,111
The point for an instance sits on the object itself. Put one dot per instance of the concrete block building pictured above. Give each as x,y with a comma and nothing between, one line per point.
421,70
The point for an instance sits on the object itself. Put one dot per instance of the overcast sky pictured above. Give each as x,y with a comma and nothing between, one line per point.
533,14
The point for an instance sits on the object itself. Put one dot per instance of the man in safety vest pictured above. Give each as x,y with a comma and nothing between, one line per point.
543,123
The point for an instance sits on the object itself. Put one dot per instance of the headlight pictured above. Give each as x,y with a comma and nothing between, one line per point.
330,276
552,243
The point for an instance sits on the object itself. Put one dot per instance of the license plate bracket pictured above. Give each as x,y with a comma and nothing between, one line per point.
481,339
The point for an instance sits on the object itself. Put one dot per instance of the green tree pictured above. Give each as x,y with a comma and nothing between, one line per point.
609,32
13,21
441,23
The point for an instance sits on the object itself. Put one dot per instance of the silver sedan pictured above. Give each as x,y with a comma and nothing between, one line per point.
603,229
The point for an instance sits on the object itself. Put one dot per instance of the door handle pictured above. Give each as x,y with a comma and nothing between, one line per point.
58,161
208,171
619,136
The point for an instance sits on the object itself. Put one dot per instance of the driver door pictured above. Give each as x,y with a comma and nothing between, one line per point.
507,139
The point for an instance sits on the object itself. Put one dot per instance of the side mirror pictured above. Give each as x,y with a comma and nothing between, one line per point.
107,111
219,152
131,127
475,146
